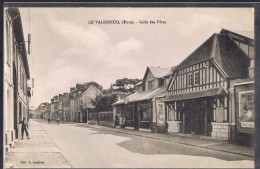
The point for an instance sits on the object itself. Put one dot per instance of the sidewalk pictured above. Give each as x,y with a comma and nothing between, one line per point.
198,142
37,152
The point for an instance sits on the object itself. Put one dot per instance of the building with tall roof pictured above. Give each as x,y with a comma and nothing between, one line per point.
144,109
199,101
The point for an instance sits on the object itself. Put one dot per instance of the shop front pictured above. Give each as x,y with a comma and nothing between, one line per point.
137,115
199,113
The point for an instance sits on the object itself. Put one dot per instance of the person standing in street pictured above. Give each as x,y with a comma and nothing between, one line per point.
58,120
123,122
24,127
116,121
49,120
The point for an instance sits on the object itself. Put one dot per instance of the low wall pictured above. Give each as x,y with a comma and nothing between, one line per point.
220,131
174,126
106,123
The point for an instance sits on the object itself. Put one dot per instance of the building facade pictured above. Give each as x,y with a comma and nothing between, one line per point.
198,100
16,75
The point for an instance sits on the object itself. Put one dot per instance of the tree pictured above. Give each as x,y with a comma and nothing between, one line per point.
104,102
126,85
87,84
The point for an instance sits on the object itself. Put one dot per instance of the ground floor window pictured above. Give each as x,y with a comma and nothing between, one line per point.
129,115
145,111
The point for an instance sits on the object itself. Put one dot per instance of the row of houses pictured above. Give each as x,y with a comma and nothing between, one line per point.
16,91
73,106
208,94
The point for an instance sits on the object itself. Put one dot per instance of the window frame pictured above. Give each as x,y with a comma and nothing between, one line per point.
150,84
190,79
194,79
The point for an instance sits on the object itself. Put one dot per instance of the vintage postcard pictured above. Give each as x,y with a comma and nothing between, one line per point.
128,87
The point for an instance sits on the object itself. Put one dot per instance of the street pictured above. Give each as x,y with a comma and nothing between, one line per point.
86,147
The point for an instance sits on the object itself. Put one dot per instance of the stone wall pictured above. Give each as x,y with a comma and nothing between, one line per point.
174,126
221,131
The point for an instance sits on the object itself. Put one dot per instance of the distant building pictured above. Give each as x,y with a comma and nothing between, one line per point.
16,75
85,101
41,110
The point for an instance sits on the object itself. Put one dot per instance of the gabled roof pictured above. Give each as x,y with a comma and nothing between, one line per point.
223,51
203,52
93,86
158,72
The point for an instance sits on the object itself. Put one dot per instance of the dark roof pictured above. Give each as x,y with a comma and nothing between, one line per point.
145,95
203,52
18,32
197,94
223,51
247,34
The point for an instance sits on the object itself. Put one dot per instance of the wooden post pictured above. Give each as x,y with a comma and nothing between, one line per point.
206,117
87,115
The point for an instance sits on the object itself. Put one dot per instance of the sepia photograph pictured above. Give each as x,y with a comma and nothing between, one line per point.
128,87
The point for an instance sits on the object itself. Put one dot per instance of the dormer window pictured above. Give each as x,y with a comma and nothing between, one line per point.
150,84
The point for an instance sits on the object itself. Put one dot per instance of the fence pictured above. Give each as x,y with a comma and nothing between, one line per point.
101,118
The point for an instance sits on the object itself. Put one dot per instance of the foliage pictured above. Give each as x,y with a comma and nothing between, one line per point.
87,84
126,85
104,102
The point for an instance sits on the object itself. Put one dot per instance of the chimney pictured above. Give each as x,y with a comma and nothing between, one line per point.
60,95
52,100
65,93
72,88
251,69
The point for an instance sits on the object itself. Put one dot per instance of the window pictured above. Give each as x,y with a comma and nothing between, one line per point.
161,82
190,79
129,114
150,84
196,78
145,111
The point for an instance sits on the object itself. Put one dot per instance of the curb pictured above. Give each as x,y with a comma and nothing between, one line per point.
210,148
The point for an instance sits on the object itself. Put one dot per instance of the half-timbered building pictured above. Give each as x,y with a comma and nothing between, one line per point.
198,100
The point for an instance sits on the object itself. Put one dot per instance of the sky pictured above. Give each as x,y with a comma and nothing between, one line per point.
67,49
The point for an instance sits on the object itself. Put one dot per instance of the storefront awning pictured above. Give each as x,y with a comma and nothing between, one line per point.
197,94
142,96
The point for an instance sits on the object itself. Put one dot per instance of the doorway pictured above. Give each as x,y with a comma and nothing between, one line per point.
195,118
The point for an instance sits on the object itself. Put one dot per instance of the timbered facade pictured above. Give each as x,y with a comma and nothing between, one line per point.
198,99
